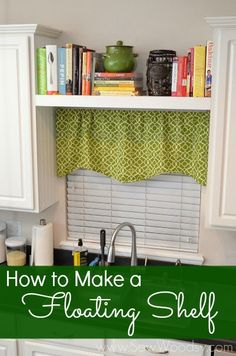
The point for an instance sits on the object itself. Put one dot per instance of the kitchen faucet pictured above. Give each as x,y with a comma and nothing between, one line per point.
111,251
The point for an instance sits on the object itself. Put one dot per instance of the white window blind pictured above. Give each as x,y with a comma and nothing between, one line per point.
164,210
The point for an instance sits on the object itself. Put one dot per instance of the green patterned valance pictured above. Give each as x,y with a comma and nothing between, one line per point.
132,145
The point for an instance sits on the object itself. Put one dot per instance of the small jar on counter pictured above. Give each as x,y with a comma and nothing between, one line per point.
16,251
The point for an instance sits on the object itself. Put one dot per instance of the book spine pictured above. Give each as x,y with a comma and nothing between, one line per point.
108,79
118,83
41,71
208,74
62,70
52,82
199,71
115,93
69,62
107,75
174,77
188,73
191,72
75,70
88,73
81,49
180,74
184,77
116,88
93,70
84,72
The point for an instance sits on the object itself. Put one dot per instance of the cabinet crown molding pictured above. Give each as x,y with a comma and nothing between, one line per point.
224,22
35,29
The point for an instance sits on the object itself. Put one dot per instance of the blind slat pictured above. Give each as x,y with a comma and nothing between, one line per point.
164,209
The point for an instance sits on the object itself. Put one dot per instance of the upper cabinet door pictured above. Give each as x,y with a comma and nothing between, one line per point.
16,166
222,156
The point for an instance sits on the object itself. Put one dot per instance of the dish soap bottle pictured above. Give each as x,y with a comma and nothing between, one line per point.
80,254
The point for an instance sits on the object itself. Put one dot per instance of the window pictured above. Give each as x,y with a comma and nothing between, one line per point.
165,210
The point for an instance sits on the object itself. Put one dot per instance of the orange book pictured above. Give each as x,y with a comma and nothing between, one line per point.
88,72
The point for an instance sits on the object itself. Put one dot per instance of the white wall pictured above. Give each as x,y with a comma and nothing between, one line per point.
146,24
55,214
3,11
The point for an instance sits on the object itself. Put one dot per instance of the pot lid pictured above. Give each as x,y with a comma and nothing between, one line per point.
119,44
15,241
161,52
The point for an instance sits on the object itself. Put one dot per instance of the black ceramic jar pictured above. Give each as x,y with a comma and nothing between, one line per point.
159,72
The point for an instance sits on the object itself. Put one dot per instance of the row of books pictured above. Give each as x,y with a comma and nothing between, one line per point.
117,84
67,70
70,70
192,74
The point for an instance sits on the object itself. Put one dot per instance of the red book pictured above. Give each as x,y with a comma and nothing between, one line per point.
182,76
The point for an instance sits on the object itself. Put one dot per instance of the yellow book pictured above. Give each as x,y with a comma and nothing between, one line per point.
199,71
115,93
116,88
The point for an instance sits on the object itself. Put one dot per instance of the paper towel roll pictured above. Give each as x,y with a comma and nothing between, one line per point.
42,245
3,228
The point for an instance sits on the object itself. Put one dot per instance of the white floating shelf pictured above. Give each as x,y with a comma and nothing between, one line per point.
125,102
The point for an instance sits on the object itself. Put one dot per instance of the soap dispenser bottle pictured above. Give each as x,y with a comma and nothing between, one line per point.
80,254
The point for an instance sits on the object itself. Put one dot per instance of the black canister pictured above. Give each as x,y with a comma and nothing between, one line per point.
159,72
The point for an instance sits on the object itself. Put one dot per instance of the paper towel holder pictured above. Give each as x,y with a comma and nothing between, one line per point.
42,244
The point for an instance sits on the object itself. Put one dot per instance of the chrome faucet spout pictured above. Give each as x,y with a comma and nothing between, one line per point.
111,251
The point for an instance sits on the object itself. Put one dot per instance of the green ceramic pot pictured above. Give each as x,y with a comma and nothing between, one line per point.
119,58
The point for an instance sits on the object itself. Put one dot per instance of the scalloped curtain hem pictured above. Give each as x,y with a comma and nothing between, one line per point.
132,146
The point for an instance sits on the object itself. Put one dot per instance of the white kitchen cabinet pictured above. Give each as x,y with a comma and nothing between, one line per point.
27,140
41,348
94,345
146,347
8,347
221,184
112,347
